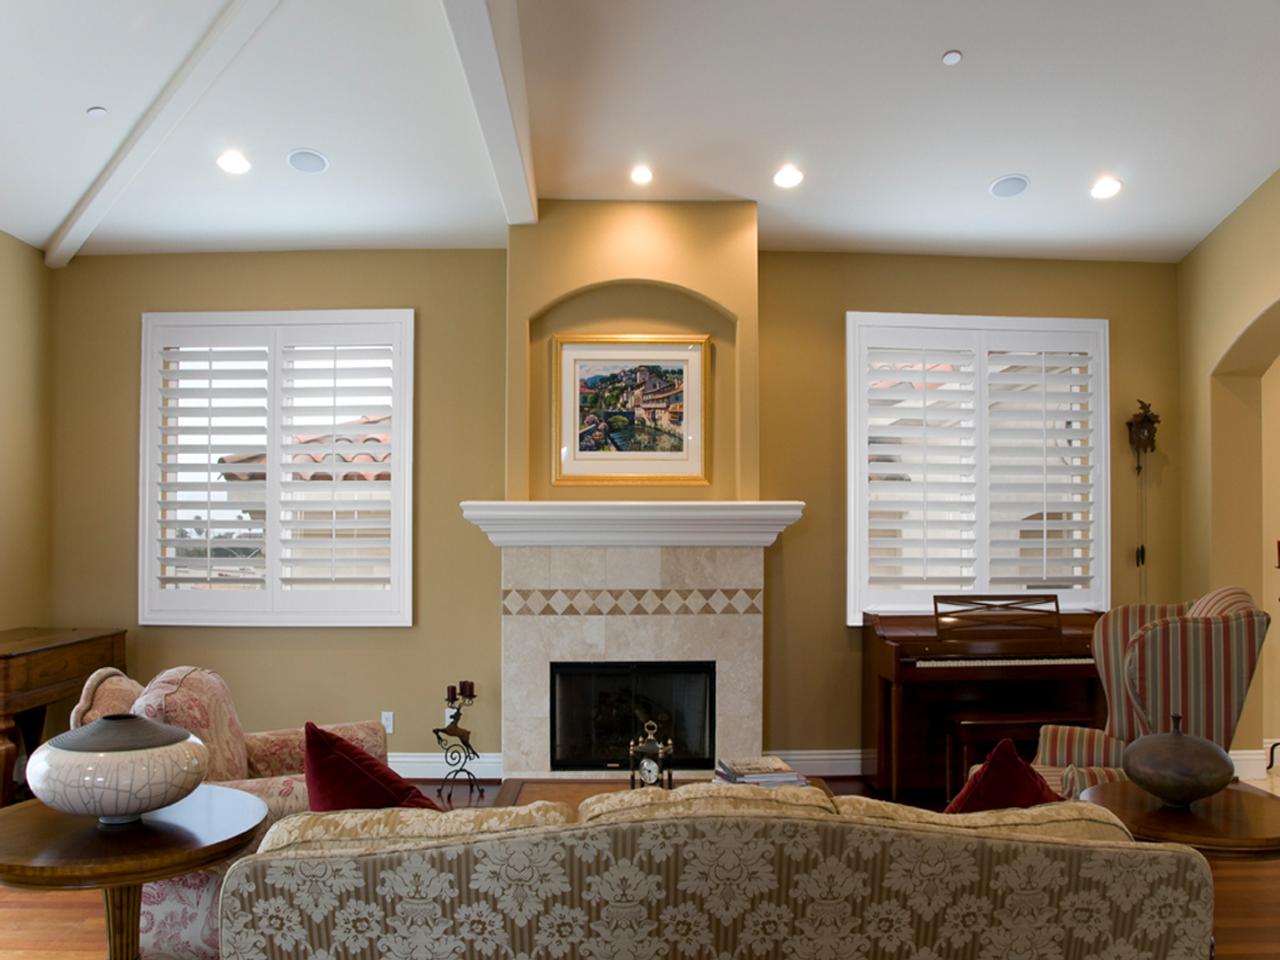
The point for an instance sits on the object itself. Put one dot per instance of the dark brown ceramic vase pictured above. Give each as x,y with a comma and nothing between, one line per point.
1178,768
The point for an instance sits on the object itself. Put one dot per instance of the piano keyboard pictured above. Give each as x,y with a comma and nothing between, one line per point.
1010,662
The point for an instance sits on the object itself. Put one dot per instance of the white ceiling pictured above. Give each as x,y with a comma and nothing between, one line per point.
1174,96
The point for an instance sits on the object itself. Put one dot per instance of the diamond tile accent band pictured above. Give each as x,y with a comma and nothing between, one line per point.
594,602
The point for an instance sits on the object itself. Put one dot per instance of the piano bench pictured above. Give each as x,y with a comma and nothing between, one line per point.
973,734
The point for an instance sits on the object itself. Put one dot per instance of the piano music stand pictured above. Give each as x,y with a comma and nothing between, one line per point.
993,615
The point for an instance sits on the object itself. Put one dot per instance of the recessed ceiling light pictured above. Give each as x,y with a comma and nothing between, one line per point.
305,160
788,176
1104,188
1010,185
641,174
96,112
234,162
952,57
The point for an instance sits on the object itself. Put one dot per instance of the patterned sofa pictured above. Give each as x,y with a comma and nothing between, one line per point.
714,872
179,916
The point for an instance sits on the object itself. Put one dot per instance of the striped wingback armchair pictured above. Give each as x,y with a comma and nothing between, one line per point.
1198,666
1209,649
1064,750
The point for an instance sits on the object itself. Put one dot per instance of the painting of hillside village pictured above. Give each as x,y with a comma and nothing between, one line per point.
628,407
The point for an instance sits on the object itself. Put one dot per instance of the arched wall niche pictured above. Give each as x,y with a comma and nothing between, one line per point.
1244,465
615,267
634,307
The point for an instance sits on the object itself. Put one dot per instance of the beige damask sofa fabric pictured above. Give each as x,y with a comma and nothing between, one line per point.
713,874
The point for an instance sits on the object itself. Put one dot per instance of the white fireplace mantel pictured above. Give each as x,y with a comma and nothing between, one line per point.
632,523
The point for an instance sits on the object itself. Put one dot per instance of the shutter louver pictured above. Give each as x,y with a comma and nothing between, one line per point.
211,505
921,487
1040,430
336,467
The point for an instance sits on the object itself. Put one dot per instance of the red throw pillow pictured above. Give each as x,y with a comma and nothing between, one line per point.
341,776
1004,780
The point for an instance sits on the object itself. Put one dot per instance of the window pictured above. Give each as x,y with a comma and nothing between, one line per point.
977,459
276,463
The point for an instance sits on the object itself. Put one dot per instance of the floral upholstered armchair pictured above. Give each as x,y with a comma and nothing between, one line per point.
180,916
1193,659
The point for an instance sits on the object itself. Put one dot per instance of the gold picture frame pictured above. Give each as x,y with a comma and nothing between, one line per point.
651,420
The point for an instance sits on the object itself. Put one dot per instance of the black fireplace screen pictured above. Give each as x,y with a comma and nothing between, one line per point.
598,708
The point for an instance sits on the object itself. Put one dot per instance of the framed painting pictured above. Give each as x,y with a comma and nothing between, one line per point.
631,409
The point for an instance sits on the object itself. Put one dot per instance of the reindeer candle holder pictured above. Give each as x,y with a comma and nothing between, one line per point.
456,741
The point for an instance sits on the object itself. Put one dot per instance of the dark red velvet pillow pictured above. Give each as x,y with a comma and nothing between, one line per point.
341,776
1004,780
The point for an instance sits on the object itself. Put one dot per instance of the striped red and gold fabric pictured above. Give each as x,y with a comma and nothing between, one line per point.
1076,780
1111,635
1062,746
1197,667
1224,600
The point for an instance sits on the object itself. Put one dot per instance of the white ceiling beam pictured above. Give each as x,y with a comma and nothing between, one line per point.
233,28
487,35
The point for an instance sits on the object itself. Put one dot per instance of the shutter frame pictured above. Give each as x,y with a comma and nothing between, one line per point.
985,334
338,606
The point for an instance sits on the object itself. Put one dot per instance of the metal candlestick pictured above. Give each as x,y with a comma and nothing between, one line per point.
458,751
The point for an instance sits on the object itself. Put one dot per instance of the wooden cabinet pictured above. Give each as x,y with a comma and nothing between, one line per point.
38,666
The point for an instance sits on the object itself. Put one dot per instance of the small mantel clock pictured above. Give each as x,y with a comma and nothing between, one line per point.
650,759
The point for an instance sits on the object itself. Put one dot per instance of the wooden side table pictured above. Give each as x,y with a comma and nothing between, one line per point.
45,849
39,666
1239,821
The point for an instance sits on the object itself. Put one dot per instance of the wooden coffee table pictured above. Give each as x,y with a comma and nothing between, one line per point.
45,849
1239,821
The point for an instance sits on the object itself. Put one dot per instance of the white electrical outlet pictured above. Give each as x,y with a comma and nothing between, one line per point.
388,721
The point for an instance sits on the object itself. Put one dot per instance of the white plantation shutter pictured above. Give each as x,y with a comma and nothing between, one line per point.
977,459
210,532
1040,469
921,492
336,467
276,461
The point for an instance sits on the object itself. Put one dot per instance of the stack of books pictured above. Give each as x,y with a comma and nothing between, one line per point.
758,771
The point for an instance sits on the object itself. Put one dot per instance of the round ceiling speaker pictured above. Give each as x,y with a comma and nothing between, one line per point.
1009,185
308,161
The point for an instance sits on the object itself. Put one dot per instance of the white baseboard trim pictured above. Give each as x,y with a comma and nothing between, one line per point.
432,766
1250,764
822,763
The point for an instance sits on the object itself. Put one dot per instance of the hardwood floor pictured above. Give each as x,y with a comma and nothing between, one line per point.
42,925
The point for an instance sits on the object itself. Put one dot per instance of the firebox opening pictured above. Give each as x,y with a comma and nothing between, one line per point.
597,709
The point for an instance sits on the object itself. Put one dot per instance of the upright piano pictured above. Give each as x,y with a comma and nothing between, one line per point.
1014,654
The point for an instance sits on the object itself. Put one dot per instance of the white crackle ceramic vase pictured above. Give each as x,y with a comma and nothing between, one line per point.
117,768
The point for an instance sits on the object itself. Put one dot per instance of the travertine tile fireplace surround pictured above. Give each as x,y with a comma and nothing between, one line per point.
602,581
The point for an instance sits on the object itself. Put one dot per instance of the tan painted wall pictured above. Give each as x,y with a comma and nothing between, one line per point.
1224,284
1226,287
1270,598
25,427
812,661
705,250
281,677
